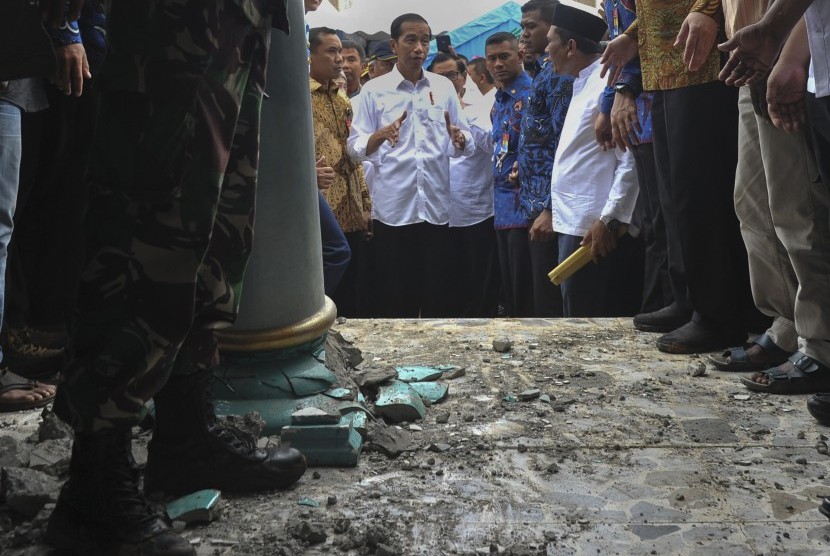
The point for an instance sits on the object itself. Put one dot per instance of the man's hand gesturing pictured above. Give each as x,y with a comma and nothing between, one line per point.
389,133
455,133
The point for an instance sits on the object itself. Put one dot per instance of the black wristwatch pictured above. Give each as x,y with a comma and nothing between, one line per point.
611,224
624,88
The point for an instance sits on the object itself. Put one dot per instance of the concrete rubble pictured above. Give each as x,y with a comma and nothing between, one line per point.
623,451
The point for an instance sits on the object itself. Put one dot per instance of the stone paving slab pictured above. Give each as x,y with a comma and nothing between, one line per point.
631,456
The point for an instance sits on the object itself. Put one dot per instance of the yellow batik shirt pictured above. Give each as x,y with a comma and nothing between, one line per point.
348,196
656,28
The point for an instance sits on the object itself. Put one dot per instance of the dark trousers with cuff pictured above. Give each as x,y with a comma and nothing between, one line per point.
547,298
695,149
515,270
477,271
657,281
412,271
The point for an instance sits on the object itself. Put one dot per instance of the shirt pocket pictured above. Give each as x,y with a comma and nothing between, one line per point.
391,110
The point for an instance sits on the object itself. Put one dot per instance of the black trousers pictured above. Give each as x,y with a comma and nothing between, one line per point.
657,285
695,149
412,271
47,249
547,298
477,270
819,110
350,295
515,270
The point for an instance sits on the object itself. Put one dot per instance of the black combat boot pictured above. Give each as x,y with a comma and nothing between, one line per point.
101,510
191,451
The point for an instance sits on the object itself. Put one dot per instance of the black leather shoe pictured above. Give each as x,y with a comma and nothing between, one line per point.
694,337
101,510
191,451
819,407
665,320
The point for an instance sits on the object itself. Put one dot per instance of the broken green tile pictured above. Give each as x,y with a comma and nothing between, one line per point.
340,394
360,422
510,398
435,392
308,502
361,398
266,376
399,402
199,507
419,373
307,382
326,445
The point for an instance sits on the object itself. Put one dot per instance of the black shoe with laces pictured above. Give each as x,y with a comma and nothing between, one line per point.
102,511
191,451
29,359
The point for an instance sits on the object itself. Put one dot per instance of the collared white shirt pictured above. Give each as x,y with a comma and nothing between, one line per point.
471,177
818,33
588,183
471,93
410,182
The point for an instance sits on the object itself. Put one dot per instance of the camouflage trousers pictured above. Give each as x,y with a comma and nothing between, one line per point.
170,221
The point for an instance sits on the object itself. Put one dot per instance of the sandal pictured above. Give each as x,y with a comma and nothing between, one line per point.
800,375
10,382
736,359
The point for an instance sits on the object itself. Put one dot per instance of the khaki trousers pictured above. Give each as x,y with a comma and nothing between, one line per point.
784,211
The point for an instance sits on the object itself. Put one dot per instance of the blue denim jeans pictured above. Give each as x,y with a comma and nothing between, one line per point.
336,251
10,151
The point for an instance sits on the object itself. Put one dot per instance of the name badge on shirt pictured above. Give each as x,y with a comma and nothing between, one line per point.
503,147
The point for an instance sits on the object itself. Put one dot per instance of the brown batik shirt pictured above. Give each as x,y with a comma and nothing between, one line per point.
656,28
348,196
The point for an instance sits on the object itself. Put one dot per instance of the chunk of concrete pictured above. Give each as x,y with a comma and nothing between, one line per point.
52,428
314,416
419,373
337,445
390,441
502,345
400,402
454,372
531,394
434,392
13,453
199,507
51,456
375,377
26,491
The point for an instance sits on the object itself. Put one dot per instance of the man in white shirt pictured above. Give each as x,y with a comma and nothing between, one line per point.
477,70
471,205
593,192
408,123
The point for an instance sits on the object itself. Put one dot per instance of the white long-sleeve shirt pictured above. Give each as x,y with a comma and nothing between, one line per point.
471,177
818,34
588,183
411,181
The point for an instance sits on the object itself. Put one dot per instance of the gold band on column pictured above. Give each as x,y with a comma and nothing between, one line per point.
294,335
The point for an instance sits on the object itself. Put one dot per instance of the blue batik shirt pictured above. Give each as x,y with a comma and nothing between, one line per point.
620,14
542,122
507,125
89,30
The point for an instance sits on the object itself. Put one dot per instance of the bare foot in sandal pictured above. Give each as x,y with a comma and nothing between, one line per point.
799,375
18,393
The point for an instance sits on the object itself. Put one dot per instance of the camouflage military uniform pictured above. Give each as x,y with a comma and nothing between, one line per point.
170,222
